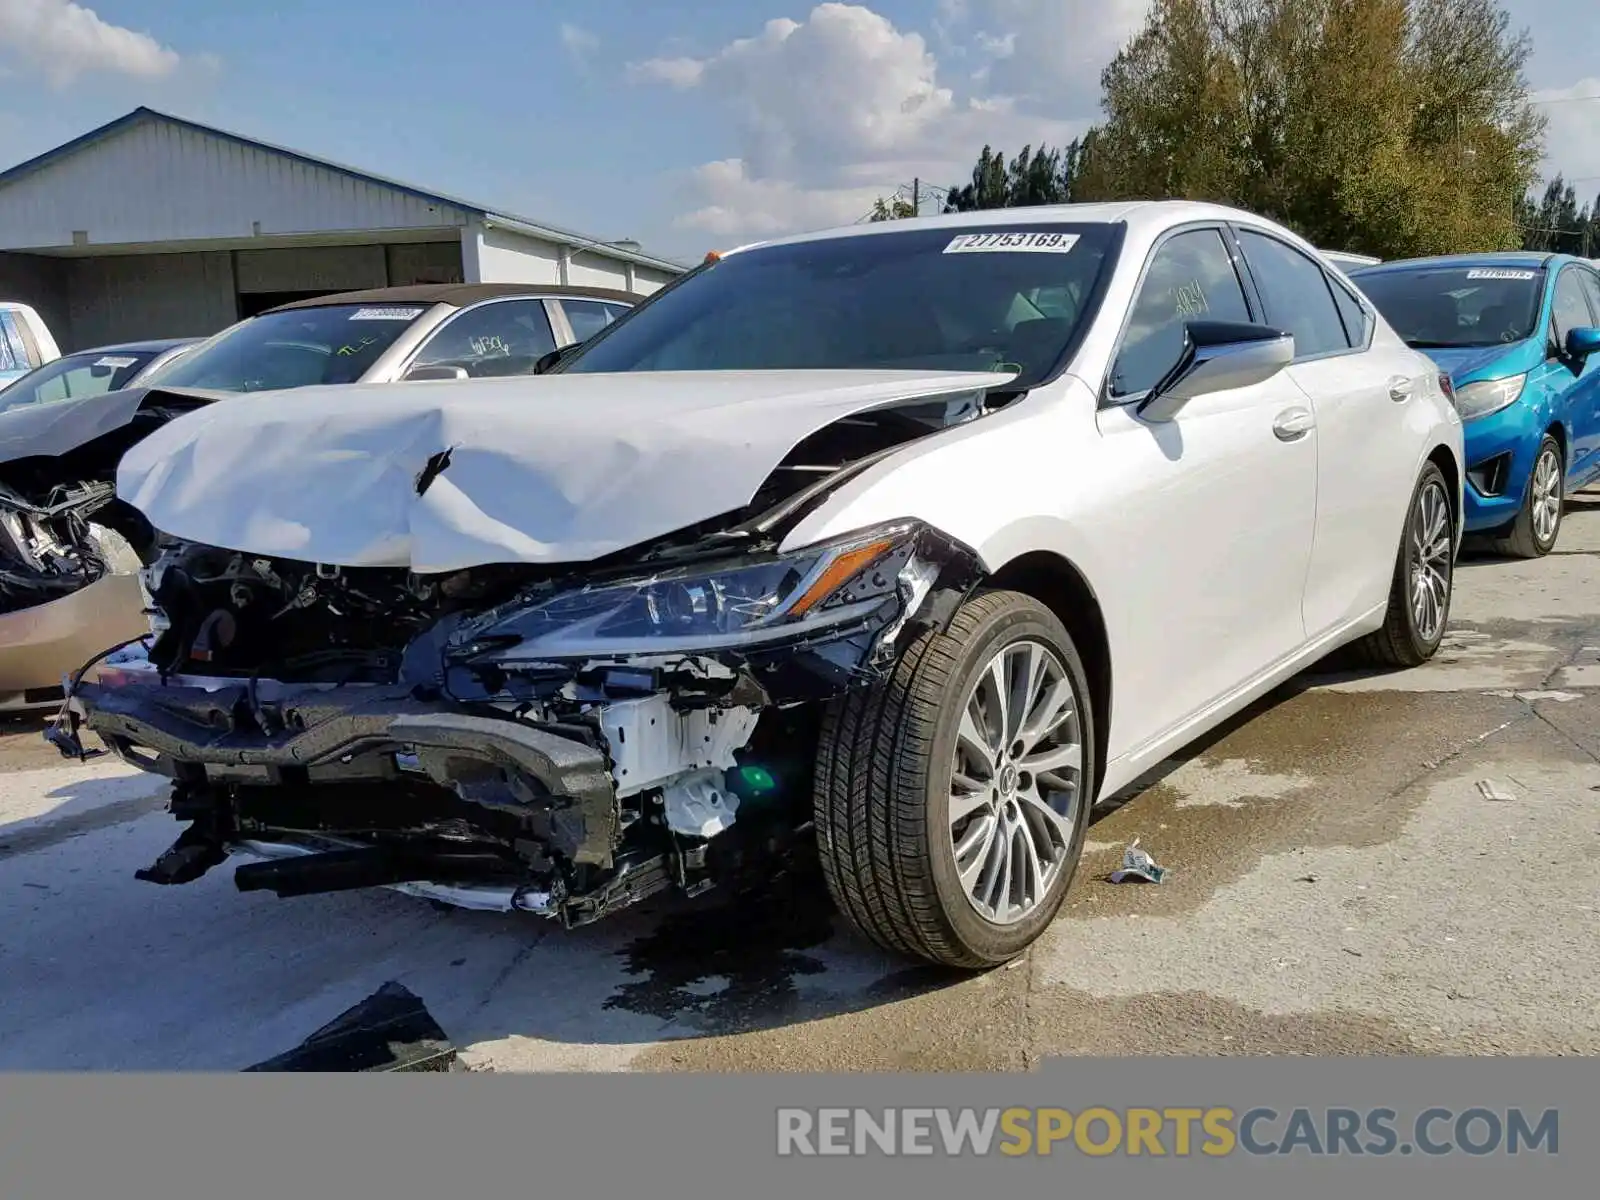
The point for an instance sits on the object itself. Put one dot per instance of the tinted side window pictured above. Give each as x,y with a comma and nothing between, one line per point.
1191,277
1591,286
617,311
13,350
1295,293
503,338
1355,318
1571,306
587,317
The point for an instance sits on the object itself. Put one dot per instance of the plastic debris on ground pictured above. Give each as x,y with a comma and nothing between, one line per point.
1490,790
1137,865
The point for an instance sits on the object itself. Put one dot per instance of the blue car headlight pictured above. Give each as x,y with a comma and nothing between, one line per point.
738,602
1488,396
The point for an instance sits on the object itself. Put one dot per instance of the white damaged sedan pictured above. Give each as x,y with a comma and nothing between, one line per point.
902,543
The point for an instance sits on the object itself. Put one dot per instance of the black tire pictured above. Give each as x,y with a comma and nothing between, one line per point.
1399,643
1523,539
883,782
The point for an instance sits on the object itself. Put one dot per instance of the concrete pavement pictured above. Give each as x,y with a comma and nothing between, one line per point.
1362,864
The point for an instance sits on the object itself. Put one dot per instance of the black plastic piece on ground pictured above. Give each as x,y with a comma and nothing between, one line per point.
188,858
391,1030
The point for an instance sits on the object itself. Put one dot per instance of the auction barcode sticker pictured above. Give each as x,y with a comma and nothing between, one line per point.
1013,243
1499,274
386,314
115,361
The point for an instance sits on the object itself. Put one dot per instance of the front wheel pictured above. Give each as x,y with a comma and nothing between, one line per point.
952,798
1533,533
1423,581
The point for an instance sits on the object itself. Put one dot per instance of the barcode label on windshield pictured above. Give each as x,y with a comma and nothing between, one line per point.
115,362
1012,243
1499,274
386,314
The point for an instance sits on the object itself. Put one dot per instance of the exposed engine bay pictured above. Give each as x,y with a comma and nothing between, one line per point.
62,526
561,739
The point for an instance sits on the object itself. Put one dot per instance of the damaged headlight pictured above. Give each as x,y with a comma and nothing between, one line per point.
736,603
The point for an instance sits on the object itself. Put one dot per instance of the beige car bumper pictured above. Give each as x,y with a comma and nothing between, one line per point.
39,645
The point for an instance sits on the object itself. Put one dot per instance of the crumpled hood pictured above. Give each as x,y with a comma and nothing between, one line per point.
53,429
541,469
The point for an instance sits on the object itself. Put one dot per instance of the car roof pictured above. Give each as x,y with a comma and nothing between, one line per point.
152,346
1141,216
1528,259
459,294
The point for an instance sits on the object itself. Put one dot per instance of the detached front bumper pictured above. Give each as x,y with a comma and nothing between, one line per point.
40,645
364,786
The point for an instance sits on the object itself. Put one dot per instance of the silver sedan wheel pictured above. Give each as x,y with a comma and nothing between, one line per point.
1546,498
1016,782
1430,562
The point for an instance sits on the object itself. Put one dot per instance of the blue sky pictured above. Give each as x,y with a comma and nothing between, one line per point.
686,126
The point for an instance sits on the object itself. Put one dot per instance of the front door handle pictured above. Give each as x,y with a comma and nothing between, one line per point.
1399,388
1292,424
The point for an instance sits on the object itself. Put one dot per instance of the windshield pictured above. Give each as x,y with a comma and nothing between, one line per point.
1444,307
74,376
334,343
1012,297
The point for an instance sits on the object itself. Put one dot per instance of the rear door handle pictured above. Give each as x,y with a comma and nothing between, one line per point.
1399,388
1292,424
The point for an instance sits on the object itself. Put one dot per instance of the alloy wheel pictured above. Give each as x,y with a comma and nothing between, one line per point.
1546,498
1016,781
1430,562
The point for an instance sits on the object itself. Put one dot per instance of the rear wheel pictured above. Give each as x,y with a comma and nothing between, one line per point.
1533,534
1424,577
952,798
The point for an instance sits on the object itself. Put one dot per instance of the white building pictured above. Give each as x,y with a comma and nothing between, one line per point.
153,226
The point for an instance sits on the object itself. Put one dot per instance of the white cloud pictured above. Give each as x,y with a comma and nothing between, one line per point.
578,42
1572,139
1051,52
830,113
675,72
63,40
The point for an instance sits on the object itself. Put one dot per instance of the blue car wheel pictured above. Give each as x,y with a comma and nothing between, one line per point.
1533,533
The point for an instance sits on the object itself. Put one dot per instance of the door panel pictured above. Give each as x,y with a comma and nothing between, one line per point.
1220,505
1574,391
1585,388
1366,460
1223,515
1361,398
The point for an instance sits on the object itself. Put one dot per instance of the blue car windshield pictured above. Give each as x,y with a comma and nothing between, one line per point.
1008,297
1438,308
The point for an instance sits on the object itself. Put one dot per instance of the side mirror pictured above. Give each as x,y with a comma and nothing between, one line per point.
1217,357
554,358
1582,342
436,371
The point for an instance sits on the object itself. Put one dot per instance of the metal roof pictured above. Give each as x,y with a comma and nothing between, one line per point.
1488,258
152,346
526,225
459,294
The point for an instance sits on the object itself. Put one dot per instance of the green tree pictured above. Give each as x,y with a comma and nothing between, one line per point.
1555,223
1034,176
1391,127
896,208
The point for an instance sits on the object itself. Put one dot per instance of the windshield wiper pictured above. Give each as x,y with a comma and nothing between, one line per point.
1422,345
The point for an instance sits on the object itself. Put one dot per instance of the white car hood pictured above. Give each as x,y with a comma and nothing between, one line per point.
558,468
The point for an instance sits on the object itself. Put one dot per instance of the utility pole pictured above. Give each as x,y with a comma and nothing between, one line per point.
916,197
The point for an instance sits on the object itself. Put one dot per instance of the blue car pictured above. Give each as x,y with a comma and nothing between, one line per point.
1519,336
